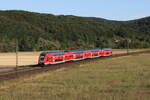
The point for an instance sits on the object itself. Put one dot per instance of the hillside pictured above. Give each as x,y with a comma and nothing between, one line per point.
36,31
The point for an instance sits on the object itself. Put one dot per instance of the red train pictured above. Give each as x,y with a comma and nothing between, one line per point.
72,55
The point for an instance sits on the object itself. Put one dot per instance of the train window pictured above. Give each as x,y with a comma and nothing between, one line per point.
42,59
95,55
56,60
71,56
50,57
79,57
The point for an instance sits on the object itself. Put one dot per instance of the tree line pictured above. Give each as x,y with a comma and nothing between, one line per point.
35,32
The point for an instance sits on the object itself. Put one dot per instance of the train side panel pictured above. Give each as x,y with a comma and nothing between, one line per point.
77,54
72,55
107,51
68,56
52,58
87,54
95,53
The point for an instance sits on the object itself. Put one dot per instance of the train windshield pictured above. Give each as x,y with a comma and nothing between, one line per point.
41,58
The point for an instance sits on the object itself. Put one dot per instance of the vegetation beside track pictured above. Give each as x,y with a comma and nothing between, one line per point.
123,78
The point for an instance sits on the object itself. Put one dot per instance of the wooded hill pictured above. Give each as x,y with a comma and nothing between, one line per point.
35,31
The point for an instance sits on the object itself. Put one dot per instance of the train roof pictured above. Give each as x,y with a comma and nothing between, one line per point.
53,53
94,50
107,48
75,51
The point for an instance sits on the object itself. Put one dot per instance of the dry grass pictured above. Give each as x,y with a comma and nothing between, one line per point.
118,51
124,78
24,58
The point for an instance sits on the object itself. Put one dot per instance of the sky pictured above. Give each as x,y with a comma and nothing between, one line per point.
108,9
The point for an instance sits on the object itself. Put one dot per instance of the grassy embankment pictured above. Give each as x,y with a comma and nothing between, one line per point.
124,78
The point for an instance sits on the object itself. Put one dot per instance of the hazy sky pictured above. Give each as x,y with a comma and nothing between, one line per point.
108,9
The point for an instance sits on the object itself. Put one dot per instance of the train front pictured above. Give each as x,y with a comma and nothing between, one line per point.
41,60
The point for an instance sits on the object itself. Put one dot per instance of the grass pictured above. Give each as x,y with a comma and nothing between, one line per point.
124,78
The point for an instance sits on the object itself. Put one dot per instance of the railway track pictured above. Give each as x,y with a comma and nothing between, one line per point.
35,69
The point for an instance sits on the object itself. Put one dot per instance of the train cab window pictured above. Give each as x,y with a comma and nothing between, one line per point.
41,59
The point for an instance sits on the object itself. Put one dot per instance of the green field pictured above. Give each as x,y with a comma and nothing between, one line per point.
123,78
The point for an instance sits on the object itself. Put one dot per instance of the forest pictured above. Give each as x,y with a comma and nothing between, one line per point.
31,31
